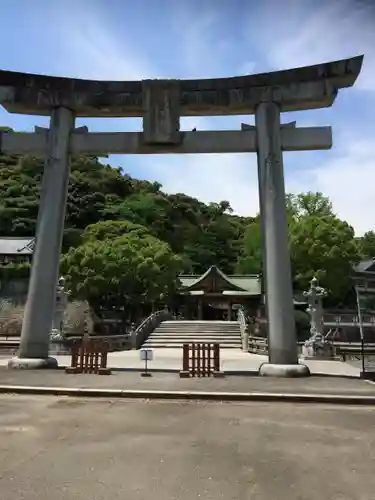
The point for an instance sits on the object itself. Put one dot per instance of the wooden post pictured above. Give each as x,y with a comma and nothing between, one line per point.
74,360
103,368
200,308
208,363
89,356
217,372
230,310
184,373
200,360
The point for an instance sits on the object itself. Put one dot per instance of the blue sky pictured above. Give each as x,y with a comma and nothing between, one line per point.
135,39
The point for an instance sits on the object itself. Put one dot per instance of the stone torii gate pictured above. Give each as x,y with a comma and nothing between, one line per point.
161,103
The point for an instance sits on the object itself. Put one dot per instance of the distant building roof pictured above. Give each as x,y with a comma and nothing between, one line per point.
16,246
249,284
365,266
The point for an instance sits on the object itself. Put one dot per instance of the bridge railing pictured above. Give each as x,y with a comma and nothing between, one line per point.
114,342
241,318
143,331
351,318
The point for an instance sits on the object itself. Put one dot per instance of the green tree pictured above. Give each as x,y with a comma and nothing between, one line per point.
207,235
303,204
148,209
366,245
109,229
323,246
19,196
203,234
250,260
302,322
216,241
125,271
91,187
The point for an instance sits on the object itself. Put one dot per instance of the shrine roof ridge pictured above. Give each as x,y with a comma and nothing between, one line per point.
307,87
242,283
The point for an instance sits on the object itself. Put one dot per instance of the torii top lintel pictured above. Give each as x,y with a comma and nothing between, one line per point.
308,87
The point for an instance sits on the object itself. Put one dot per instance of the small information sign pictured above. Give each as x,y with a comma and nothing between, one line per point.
147,354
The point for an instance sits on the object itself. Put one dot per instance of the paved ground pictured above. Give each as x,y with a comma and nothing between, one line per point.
172,382
69,449
231,360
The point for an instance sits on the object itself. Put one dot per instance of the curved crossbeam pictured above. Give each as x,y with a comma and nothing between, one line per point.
307,87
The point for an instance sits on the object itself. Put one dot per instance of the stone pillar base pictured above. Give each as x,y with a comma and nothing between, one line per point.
291,371
32,363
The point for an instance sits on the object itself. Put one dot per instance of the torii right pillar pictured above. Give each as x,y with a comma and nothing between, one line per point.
282,339
313,88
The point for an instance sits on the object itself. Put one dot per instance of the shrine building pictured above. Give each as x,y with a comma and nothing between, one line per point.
215,295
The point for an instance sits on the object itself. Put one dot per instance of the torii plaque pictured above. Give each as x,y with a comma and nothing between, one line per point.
161,104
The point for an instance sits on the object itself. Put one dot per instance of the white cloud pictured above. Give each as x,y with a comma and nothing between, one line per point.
214,177
331,31
348,179
202,45
316,31
247,68
88,47
95,53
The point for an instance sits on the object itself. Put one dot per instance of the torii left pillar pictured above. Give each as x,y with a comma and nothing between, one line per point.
36,327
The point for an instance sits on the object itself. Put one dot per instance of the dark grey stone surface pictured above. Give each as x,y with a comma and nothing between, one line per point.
69,449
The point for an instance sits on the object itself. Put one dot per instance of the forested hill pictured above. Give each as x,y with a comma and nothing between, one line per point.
200,234
204,234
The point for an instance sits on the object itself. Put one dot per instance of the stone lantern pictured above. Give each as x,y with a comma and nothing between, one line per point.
316,346
57,332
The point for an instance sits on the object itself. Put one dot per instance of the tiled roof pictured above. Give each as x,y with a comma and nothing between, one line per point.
249,282
365,266
243,282
16,246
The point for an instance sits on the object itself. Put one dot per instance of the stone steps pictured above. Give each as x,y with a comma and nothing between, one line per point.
199,330
223,336
167,345
180,338
173,334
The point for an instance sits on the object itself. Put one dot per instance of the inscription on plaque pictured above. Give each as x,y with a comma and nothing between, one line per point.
128,99
161,111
